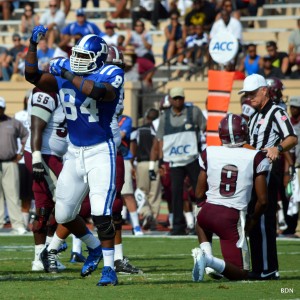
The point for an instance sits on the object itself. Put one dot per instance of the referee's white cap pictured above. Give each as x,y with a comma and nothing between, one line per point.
252,83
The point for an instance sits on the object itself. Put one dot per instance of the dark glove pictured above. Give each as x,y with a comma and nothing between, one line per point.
37,33
152,175
38,172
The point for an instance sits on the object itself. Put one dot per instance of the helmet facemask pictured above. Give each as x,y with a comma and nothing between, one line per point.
85,62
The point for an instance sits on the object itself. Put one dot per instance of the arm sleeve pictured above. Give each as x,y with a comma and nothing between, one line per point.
284,126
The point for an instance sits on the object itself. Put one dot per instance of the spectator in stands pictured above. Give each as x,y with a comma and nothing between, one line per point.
10,131
268,70
152,10
296,73
252,7
29,20
279,59
7,64
250,63
142,41
230,67
3,54
121,41
44,54
227,5
121,8
198,44
184,6
131,66
202,13
67,6
294,45
229,24
84,3
76,30
54,19
6,9
19,66
110,36
173,34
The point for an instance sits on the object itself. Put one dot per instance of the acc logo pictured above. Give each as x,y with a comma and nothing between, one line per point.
223,47
180,150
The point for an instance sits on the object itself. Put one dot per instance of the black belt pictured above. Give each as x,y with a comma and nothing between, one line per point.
8,160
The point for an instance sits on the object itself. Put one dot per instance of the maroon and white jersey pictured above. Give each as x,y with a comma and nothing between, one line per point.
48,107
231,173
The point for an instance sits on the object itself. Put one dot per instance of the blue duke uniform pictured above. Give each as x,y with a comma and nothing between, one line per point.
91,156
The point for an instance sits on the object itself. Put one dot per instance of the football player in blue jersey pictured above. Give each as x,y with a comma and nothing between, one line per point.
90,92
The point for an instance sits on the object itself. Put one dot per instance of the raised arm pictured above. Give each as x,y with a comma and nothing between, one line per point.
42,80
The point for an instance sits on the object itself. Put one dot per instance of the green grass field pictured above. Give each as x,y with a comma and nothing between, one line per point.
167,265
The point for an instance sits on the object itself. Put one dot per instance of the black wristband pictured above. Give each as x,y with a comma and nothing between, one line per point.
160,162
67,74
32,46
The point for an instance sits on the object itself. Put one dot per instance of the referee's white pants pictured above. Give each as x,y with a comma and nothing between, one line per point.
86,169
9,190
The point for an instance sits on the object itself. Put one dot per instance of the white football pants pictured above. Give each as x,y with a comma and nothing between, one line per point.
86,169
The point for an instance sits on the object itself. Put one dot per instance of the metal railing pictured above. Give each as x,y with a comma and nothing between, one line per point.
169,66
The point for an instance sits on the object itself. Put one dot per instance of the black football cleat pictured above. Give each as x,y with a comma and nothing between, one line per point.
264,275
123,266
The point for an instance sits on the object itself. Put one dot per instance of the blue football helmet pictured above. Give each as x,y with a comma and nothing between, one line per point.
88,55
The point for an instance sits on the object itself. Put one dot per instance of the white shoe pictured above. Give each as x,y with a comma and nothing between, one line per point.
199,264
19,231
37,265
137,231
212,273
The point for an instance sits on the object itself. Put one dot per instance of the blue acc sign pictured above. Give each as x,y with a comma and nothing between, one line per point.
180,150
223,47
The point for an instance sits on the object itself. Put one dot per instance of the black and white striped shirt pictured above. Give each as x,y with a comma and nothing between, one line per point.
269,126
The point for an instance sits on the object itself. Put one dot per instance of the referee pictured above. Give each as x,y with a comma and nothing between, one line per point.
270,129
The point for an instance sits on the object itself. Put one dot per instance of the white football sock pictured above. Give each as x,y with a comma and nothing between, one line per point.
206,247
55,243
25,218
134,219
108,257
76,244
37,251
215,263
118,252
189,218
48,240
